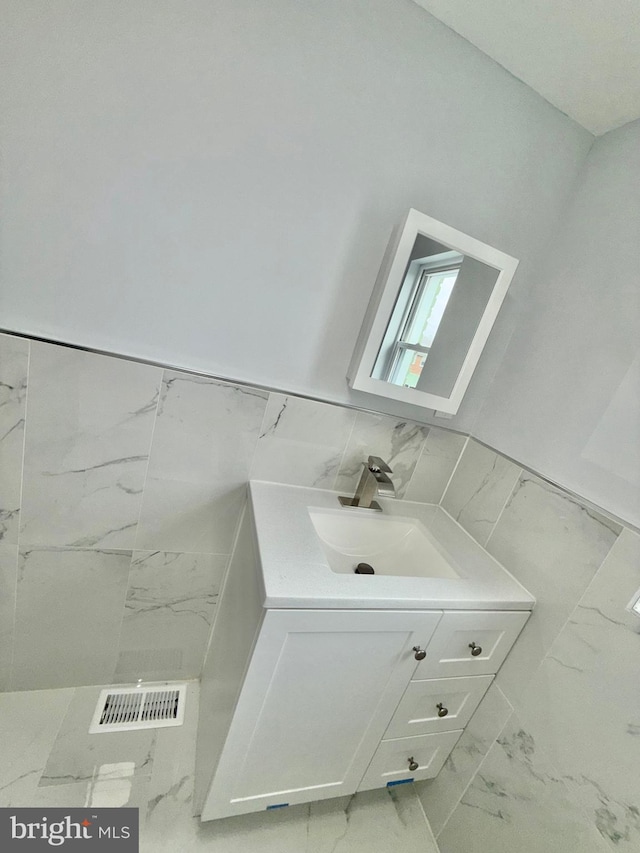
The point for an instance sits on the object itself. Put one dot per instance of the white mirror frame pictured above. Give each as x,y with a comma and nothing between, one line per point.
384,296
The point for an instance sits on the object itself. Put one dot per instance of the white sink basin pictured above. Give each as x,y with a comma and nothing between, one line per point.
390,545
308,546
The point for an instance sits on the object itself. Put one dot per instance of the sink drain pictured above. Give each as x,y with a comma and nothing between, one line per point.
364,569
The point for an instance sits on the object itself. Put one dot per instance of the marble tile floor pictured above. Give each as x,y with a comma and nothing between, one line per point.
49,759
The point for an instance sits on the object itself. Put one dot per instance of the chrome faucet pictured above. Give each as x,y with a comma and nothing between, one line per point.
373,481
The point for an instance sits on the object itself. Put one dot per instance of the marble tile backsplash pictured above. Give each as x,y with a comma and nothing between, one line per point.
132,480
399,443
301,442
440,453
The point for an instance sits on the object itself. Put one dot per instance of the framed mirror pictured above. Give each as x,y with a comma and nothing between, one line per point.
435,300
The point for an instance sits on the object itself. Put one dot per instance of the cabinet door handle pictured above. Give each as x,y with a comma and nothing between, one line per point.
442,711
475,650
413,764
420,653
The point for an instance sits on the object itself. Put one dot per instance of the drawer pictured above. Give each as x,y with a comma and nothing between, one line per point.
390,764
469,642
437,705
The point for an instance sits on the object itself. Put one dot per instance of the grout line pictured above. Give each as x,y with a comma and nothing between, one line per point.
547,756
135,538
146,473
344,452
566,622
519,706
407,487
455,468
17,565
435,842
587,503
246,508
595,574
63,717
59,548
24,439
224,554
504,505
12,638
417,463
123,610
261,426
478,768
502,693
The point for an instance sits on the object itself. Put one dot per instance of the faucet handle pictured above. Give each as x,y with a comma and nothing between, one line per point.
377,464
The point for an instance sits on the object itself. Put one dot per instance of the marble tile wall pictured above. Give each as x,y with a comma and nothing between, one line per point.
120,490
551,759
170,603
90,420
517,801
204,439
119,502
68,612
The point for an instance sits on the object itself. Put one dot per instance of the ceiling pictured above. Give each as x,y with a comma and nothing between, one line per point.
583,56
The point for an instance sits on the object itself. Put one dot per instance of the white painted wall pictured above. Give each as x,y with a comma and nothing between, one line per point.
566,400
213,184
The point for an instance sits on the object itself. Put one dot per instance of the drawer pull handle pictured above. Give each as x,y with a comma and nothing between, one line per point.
420,653
442,711
413,764
475,650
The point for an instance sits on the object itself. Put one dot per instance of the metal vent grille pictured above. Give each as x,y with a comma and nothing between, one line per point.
162,705
121,708
141,707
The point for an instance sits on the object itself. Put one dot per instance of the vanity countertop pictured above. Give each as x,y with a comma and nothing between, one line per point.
296,573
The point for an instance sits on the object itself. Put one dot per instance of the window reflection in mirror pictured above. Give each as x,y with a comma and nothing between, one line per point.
426,288
440,303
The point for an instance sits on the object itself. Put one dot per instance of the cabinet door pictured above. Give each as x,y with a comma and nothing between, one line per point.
319,692
471,642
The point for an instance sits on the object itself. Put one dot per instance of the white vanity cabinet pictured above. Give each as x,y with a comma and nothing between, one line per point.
319,691
335,701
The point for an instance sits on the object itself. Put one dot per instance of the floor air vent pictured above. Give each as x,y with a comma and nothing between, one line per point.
122,709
